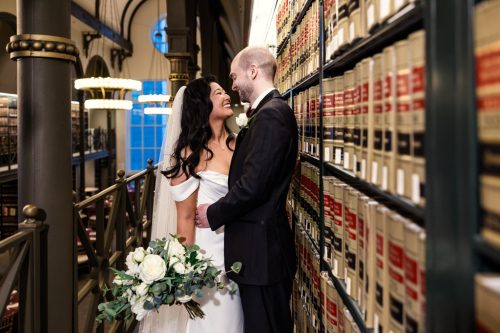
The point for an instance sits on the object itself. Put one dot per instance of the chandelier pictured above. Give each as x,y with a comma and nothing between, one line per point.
107,92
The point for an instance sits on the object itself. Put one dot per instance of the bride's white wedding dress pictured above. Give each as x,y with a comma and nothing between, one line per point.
223,311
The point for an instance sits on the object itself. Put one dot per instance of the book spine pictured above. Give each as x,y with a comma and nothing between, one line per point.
351,251
356,165
339,120
348,120
388,167
361,249
386,9
396,272
487,53
378,122
343,25
403,120
356,30
328,118
332,308
371,257
372,14
381,316
329,217
423,283
338,231
412,278
417,51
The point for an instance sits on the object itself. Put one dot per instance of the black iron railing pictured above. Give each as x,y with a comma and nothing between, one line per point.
27,271
109,224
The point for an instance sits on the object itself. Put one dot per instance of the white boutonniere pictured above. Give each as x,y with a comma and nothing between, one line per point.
243,121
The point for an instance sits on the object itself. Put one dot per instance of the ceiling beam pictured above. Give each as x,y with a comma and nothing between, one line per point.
90,20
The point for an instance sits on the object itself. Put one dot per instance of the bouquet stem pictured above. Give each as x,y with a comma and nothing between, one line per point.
194,310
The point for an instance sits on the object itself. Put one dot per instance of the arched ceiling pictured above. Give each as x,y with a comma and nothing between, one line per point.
119,15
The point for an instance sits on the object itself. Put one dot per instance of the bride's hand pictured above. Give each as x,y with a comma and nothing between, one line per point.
201,219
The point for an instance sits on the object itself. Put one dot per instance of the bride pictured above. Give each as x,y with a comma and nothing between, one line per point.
195,159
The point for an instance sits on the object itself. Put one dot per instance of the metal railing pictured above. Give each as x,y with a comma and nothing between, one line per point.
27,271
130,216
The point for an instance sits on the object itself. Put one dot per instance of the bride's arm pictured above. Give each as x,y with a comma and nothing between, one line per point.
185,218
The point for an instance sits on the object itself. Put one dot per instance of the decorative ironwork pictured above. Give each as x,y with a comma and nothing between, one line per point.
113,234
42,46
27,271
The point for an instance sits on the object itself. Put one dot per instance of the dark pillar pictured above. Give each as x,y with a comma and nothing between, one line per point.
45,179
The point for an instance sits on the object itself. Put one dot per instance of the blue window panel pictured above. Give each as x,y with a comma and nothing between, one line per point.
136,159
149,119
160,120
136,116
160,131
135,95
148,153
148,87
135,137
149,137
159,36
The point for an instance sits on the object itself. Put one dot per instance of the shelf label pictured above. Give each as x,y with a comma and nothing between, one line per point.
415,192
346,160
374,172
348,285
336,267
400,182
385,173
338,156
340,35
352,31
327,154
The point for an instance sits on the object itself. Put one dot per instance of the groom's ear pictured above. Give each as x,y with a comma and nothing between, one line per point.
253,69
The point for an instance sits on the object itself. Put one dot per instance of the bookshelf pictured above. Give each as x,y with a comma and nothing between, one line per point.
451,217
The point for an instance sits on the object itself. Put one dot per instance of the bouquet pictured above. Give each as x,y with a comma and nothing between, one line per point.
166,273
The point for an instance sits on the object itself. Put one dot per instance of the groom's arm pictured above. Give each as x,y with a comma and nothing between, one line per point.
269,144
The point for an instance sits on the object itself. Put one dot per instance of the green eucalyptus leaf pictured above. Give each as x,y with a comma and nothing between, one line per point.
236,267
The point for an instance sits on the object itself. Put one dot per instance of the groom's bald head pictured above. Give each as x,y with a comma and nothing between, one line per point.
259,56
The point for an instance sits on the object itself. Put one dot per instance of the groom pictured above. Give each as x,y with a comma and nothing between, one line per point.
253,212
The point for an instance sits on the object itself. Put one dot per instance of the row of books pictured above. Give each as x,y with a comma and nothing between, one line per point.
317,303
287,13
301,58
377,253
373,119
347,21
487,40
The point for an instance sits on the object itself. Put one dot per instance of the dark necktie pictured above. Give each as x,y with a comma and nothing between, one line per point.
249,112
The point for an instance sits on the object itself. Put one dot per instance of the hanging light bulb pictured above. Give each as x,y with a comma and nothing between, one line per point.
107,92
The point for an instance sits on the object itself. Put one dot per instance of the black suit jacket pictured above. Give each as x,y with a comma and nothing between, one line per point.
253,212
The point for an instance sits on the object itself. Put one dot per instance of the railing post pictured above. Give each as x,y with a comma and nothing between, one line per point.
33,277
121,225
151,182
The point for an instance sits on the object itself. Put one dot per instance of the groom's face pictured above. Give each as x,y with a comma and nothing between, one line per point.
241,81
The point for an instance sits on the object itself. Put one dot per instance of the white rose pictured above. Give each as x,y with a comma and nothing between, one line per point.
175,248
242,120
133,267
202,267
199,256
152,268
179,268
142,289
139,311
118,280
189,268
139,254
184,299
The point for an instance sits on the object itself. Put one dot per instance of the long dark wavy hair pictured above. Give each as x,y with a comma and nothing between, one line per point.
195,129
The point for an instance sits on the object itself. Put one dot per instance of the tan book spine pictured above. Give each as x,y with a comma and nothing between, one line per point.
335,30
356,165
318,127
341,316
487,43
371,257
339,120
361,249
348,321
351,219
332,309
317,291
381,316
423,282
348,120
378,122
372,14
396,272
404,163
328,116
417,51
412,278
390,139
338,231
355,21
487,302
386,9
329,218
366,107
343,25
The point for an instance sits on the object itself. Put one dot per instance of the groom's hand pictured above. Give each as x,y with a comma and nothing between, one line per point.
201,219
